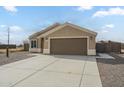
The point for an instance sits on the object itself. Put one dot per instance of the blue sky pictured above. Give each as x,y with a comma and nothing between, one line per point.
23,21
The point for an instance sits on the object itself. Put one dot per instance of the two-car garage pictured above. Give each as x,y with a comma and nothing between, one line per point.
73,46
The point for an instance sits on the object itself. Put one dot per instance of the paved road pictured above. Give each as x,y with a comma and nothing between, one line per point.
51,71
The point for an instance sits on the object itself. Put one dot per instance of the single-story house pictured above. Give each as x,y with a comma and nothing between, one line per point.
64,38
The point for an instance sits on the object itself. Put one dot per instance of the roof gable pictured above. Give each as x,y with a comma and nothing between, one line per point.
68,24
81,28
44,31
56,27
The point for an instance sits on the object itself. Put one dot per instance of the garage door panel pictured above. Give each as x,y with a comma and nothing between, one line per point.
68,46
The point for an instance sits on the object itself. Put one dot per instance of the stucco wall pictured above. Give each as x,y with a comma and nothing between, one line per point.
69,31
38,43
45,44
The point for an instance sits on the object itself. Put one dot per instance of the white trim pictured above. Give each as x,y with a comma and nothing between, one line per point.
68,37
46,51
30,42
33,40
122,50
65,24
91,52
37,50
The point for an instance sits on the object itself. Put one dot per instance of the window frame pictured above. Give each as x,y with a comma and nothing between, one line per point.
33,43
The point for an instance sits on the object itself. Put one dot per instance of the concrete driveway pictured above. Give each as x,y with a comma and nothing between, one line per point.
51,71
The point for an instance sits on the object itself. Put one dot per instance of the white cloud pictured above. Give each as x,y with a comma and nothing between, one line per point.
17,34
10,8
15,28
110,11
104,31
2,26
82,8
109,26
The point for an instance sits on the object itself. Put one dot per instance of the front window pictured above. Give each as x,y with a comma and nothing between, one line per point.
33,44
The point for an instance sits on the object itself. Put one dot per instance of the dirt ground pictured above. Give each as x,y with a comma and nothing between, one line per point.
19,49
14,56
112,71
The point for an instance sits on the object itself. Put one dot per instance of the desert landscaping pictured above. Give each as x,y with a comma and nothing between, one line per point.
112,70
13,57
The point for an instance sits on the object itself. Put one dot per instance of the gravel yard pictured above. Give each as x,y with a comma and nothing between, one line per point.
111,71
15,56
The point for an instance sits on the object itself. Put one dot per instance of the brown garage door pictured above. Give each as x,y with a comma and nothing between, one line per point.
75,46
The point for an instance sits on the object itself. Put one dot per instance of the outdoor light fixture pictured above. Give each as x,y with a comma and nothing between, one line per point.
91,37
46,38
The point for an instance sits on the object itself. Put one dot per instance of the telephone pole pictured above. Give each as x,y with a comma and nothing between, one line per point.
7,50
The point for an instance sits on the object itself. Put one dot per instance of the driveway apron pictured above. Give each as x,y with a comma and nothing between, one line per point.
51,71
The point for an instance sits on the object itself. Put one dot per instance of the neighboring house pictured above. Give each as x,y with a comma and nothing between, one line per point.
64,38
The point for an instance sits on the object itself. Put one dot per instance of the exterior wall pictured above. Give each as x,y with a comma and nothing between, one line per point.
92,46
68,32
92,42
46,50
45,44
38,49
35,50
39,43
91,52
122,50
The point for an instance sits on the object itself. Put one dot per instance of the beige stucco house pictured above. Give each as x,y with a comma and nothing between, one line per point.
64,38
